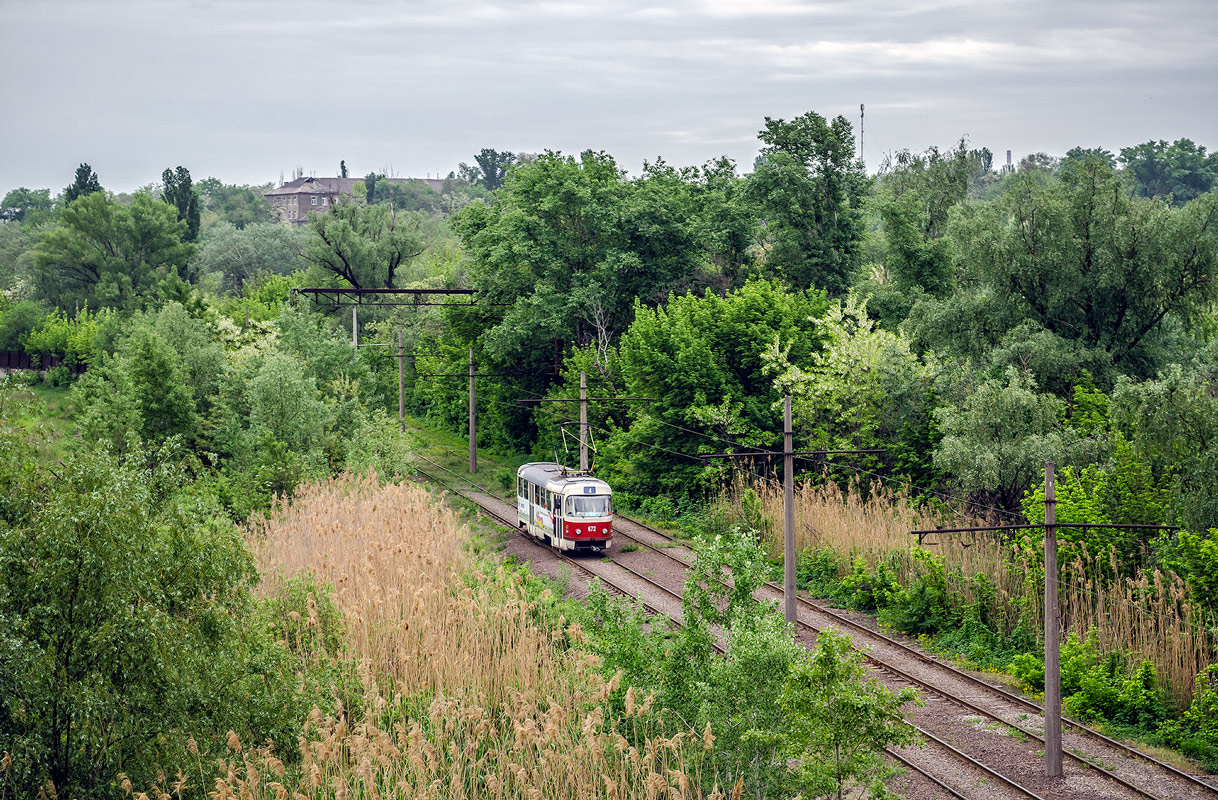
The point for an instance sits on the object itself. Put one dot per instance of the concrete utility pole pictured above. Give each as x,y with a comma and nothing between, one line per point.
583,401
1053,675
788,521
583,422
788,499
401,385
473,451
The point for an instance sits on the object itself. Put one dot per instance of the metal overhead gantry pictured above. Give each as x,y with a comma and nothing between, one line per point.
383,297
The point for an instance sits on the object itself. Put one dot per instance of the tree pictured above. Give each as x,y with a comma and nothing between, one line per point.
862,388
123,620
242,255
107,254
1181,170
703,359
370,187
841,720
809,189
237,205
364,245
1088,262
1034,161
179,193
494,166
997,443
342,169
22,202
86,182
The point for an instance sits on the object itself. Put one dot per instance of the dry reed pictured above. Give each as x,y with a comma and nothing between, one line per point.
466,695
1149,616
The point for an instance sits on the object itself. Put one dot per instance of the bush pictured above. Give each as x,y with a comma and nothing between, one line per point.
17,322
924,606
128,626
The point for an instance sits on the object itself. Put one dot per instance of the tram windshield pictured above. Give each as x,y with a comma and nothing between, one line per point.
588,506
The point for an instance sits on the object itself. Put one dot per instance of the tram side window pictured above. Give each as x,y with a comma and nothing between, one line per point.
521,490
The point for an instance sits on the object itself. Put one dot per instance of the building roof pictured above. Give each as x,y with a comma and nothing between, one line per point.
311,185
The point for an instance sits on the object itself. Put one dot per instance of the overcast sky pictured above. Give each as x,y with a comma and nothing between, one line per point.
245,90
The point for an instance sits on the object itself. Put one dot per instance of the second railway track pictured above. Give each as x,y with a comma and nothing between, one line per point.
1104,768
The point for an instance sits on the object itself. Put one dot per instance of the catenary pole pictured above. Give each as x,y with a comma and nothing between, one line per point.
583,422
473,452
1053,677
354,326
788,507
401,385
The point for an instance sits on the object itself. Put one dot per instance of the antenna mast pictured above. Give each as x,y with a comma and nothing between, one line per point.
861,109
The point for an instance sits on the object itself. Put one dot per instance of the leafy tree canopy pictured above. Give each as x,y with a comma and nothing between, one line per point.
1181,170
21,203
809,188
110,255
241,255
1088,262
86,182
364,245
178,192
237,205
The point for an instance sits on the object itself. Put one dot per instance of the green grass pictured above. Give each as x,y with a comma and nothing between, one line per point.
495,472
53,422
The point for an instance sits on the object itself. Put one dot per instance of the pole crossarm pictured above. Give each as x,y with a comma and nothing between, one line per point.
343,297
475,375
589,399
794,453
1053,682
988,528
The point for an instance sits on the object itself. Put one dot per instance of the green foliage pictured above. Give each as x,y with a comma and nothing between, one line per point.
17,322
157,386
809,189
1172,426
105,254
74,340
85,183
703,360
126,620
840,720
1088,262
22,203
178,192
246,255
1181,170
739,697
863,388
708,597
240,206
377,444
924,605
1200,721
997,443
363,244
868,591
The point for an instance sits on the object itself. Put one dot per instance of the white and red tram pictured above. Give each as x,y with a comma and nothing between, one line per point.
571,510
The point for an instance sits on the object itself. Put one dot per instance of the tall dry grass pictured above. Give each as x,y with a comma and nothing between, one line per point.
1148,616
466,694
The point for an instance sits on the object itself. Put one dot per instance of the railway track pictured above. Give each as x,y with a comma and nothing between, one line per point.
1181,785
931,761
937,755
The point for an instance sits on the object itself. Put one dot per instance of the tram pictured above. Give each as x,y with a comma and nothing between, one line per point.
569,509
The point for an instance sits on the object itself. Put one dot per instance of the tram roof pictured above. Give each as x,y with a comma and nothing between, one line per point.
544,472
